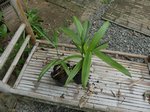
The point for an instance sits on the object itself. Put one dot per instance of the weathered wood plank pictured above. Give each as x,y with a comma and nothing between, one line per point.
57,91
105,51
4,87
16,59
46,58
11,45
94,80
25,65
128,92
135,69
102,84
109,89
49,51
63,102
102,74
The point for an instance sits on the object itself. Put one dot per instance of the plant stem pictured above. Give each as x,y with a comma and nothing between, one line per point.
58,53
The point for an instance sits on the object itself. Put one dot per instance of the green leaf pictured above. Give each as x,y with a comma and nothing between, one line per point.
98,36
1,16
55,62
3,30
112,63
69,58
75,56
100,47
33,17
86,45
73,72
86,68
86,26
55,39
1,50
43,34
85,48
78,25
78,47
64,65
72,35
47,67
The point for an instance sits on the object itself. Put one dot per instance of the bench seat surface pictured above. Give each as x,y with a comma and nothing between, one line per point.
108,90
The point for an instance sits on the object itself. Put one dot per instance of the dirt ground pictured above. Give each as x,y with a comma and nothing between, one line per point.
54,15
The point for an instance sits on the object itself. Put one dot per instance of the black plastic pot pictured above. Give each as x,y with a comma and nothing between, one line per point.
60,76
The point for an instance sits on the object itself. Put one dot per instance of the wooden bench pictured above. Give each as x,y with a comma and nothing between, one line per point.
109,90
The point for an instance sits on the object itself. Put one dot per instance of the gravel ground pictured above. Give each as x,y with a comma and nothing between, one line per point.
120,39
33,106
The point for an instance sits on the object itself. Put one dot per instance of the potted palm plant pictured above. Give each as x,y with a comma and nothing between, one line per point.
63,72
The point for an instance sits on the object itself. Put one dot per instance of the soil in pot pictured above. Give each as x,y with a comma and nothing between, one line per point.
60,76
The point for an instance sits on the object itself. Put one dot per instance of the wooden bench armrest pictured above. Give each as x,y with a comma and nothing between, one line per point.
4,88
16,59
11,45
